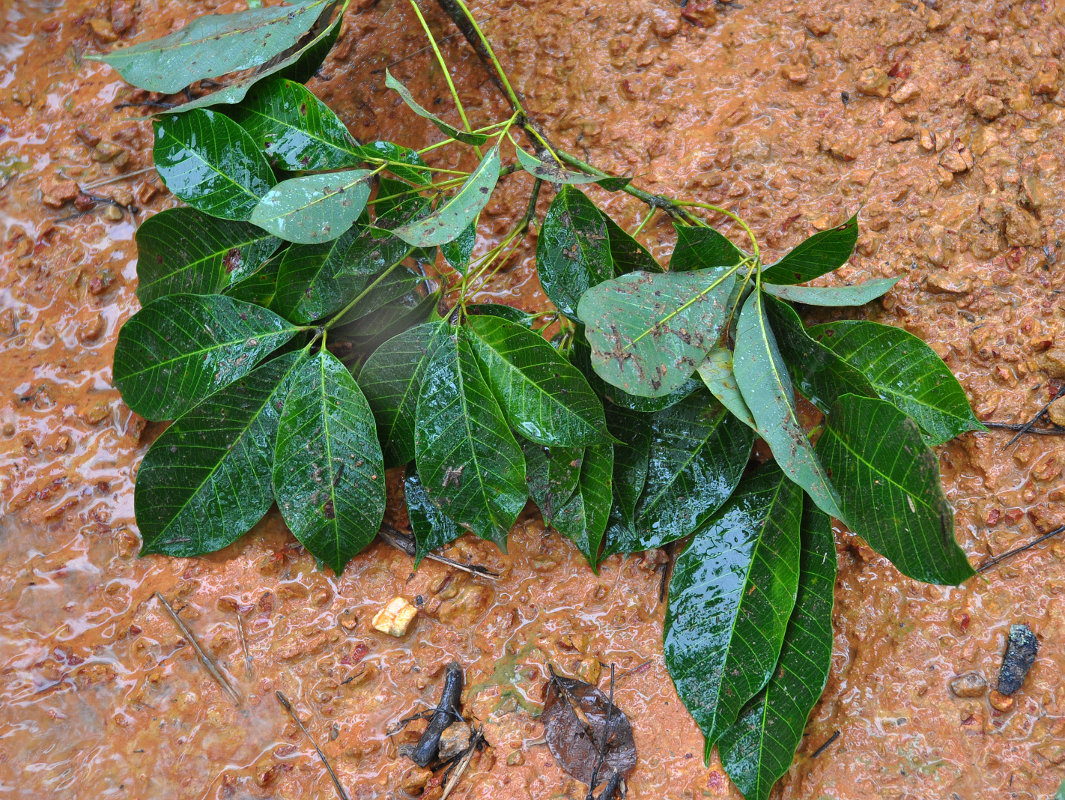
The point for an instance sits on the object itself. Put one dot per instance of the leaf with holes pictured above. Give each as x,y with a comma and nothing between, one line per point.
732,592
213,45
572,250
649,332
904,371
211,163
767,390
181,251
329,476
430,526
468,460
206,480
857,295
179,349
447,129
890,489
759,748
295,129
314,208
546,399
821,253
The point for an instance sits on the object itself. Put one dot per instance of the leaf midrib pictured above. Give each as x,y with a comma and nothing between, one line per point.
189,149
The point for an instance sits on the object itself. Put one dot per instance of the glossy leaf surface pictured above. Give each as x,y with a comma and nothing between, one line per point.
314,208
732,592
572,250
329,476
211,163
206,480
702,248
179,349
550,170
821,253
446,128
431,527
628,254
716,373
857,295
759,748
260,287
181,251
890,489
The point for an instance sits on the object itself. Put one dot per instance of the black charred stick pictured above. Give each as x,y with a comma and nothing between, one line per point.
613,786
1021,650
446,713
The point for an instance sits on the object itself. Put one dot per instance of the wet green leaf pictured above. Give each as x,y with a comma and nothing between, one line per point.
904,371
583,519
314,208
820,375
702,248
213,45
767,390
393,286
648,332
717,374
553,475
430,526
445,128
455,213
211,163
857,295
732,592
467,458
515,315
632,454
403,162
697,454
458,251
890,489
329,476
628,254
551,171
260,287
759,748
572,250
295,129
545,398
391,378
206,480
181,250
179,349
821,253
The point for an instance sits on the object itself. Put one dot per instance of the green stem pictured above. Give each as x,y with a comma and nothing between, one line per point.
731,215
340,314
471,23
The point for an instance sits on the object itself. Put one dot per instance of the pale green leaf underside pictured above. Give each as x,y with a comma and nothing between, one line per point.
857,295
314,208
551,171
717,374
446,128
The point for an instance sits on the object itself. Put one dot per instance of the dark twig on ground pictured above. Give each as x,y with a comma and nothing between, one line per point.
824,747
1010,553
447,712
292,713
456,774
244,643
206,660
1028,426
405,542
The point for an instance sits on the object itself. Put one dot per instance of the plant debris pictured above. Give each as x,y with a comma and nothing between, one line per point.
205,659
292,713
1021,649
589,737
447,712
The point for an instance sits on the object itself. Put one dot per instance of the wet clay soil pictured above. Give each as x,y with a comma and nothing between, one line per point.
942,122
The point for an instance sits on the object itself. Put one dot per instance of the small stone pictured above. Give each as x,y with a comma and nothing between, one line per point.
796,73
1000,702
454,740
927,139
905,93
1021,650
515,758
1057,412
415,780
113,213
818,24
56,191
1047,80
874,82
102,30
1022,230
122,15
1034,193
957,159
971,684
1053,752
701,13
665,23
395,617
589,670
988,107
901,131
943,283
107,151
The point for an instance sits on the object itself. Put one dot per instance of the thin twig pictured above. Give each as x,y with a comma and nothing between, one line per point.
244,643
402,541
205,659
336,781
824,747
1031,423
1010,553
456,775
1026,427
116,178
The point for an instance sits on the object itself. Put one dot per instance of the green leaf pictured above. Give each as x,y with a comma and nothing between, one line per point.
759,748
1061,792
820,375
553,475
467,458
179,349
572,250
767,390
628,254
392,286
730,597
329,476
455,213
206,480
583,519
632,455
904,371
821,253
295,129
403,162
648,332
211,163
430,526
314,208
545,398
719,378
890,489
391,378
515,315
213,45
857,295
697,454
298,62
702,248
260,287
316,280
445,128
181,250
458,251
550,171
